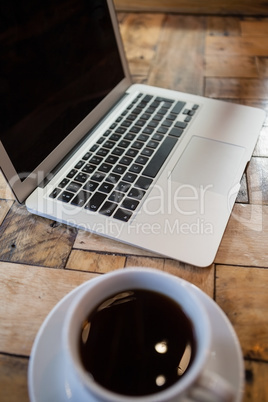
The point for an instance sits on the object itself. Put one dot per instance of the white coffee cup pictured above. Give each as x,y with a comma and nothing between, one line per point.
197,384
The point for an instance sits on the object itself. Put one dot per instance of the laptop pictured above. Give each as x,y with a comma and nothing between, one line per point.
82,145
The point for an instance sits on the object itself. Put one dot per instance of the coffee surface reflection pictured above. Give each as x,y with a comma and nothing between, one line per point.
136,343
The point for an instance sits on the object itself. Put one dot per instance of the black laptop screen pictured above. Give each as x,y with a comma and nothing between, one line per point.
58,60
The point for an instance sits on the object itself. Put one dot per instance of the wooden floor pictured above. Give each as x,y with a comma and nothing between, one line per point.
41,261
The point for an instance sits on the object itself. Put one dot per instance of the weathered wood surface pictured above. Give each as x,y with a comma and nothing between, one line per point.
227,7
41,261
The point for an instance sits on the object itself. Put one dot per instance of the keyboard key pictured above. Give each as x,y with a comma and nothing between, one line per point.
162,130
129,136
130,177
143,182
159,157
136,168
119,169
124,144
176,132
55,193
88,168
136,193
98,177
95,201
113,178
81,198
103,152
123,187
72,173
109,144
111,159
157,137
143,137
91,186
178,107
105,167
116,196
79,165
118,151
87,156
64,183
96,160
108,208
180,124
66,196
137,145
134,130
126,160
147,151
122,215
74,187
81,177
132,152
106,187
152,144
142,159
128,203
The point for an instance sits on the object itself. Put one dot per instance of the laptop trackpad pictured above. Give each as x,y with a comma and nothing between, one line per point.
207,162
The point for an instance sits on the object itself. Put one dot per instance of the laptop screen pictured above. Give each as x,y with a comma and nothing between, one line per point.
58,60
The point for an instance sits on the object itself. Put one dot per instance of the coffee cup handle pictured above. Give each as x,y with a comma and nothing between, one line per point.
210,387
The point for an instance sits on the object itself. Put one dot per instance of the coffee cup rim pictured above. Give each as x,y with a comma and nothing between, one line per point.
74,318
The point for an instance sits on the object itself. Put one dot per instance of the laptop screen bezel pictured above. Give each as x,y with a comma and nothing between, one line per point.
22,186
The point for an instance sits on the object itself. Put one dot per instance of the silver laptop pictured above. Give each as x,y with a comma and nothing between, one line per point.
81,145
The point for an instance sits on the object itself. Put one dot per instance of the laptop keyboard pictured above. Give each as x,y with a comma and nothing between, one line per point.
114,174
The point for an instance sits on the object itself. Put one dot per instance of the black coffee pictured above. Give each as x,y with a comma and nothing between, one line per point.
137,343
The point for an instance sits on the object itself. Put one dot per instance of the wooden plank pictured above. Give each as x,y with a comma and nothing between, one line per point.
34,240
254,27
256,388
262,65
231,66
245,238
257,174
261,148
5,206
27,294
5,191
13,379
223,26
245,306
242,196
140,33
182,41
201,277
91,242
225,7
94,262
243,46
236,88
150,262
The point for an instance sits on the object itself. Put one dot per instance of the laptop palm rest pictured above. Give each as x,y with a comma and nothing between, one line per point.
208,164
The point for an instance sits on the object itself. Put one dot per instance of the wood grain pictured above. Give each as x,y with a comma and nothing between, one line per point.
245,238
34,240
180,50
141,34
13,379
27,296
227,7
245,306
94,262
256,382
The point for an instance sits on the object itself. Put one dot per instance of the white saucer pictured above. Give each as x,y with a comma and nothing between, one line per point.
47,374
